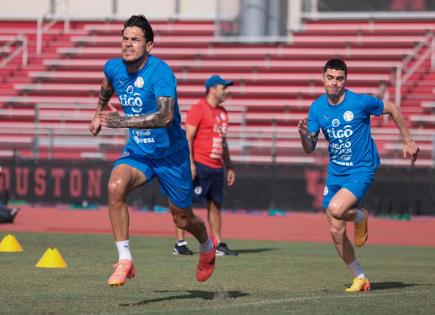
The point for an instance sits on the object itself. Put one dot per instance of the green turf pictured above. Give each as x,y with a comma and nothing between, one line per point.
266,278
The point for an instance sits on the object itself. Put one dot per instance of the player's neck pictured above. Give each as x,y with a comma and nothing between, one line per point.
336,99
135,66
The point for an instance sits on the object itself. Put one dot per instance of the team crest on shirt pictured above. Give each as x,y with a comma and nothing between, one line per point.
325,191
348,115
139,82
335,123
198,190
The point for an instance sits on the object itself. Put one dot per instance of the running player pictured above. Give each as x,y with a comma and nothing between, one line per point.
157,147
344,118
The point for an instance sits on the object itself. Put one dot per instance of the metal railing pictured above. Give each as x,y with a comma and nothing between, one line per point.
404,72
433,55
51,18
22,48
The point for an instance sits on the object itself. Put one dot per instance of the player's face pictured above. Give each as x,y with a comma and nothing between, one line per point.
334,82
134,47
220,92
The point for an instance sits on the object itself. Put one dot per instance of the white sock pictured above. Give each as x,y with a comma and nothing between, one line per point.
124,249
206,247
359,216
356,269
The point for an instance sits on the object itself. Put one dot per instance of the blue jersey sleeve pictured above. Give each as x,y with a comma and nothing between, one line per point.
373,105
313,122
108,70
164,82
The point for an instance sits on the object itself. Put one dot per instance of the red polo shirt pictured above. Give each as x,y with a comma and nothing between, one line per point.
212,124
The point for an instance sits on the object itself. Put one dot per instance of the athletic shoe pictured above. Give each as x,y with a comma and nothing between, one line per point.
361,230
206,263
180,248
123,269
14,212
223,250
7,215
359,285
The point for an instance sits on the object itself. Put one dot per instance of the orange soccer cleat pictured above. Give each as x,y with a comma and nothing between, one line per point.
358,285
123,269
361,230
206,263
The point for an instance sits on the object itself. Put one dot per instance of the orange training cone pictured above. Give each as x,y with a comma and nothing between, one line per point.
51,259
9,244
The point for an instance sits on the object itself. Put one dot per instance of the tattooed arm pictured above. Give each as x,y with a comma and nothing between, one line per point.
162,118
106,93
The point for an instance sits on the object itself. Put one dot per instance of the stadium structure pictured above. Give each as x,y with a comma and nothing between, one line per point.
51,60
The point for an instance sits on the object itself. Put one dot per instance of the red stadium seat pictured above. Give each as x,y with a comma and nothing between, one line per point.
51,101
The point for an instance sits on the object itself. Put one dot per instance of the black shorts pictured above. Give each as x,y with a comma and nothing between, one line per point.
208,184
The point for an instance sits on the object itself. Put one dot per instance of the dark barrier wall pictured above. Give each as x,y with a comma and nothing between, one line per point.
396,190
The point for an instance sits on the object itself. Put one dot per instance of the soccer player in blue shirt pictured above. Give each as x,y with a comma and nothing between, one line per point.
344,118
157,147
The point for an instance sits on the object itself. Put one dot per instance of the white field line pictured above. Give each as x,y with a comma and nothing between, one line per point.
229,305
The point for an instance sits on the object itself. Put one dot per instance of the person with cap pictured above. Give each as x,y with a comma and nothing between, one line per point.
206,128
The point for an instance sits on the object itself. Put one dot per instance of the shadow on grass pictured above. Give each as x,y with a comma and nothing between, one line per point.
254,250
192,294
391,285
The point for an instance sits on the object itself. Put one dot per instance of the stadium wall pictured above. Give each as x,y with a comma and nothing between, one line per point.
104,9
258,187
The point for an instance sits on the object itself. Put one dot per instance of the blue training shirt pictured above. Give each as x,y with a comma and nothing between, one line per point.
138,93
346,126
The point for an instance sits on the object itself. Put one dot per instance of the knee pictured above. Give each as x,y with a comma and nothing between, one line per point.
335,210
182,221
116,190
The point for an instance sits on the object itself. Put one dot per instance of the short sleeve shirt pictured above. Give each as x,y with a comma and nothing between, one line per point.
138,93
346,126
212,125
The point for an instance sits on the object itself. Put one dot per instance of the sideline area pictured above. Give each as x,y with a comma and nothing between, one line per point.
294,226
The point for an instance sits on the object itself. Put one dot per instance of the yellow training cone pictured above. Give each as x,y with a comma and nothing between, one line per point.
51,259
9,244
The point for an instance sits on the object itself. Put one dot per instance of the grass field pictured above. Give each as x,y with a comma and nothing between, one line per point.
266,278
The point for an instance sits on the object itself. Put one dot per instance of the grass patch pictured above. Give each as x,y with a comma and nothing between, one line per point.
266,278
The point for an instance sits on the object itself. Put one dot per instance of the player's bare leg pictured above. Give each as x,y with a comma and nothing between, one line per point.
342,207
337,229
185,219
122,181
340,211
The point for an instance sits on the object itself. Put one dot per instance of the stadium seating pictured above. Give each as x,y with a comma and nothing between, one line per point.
49,103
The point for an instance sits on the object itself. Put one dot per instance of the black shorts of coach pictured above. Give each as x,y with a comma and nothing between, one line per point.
208,184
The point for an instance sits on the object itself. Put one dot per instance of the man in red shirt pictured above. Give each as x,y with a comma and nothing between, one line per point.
206,129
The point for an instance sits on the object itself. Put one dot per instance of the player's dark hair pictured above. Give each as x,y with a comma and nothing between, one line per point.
336,64
141,22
